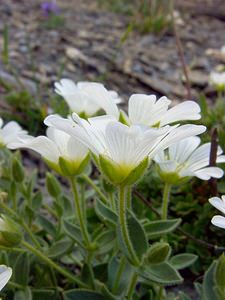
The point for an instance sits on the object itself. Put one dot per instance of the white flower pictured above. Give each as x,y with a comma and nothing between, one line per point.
217,79
187,158
5,274
124,146
88,97
218,203
9,132
147,110
55,146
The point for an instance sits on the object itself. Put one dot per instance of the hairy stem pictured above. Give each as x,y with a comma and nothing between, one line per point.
166,199
123,226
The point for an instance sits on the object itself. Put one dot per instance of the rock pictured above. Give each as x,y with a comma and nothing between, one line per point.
198,78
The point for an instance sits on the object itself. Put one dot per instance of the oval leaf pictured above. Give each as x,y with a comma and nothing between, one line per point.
182,261
156,228
82,295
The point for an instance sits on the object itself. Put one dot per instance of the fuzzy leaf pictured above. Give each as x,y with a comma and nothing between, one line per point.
209,292
21,269
182,261
59,248
73,231
162,273
105,213
157,228
137,237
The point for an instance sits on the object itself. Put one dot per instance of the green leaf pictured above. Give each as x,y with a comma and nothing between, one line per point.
21,269
181,261
183,296
105,213
105,241
82,295
47,225
37,201
73,231
220,274
162,273
23,295
44,294
67,206
59,248
157,228
209,292
137,237
119,267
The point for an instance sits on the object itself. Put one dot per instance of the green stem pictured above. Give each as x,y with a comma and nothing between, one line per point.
79,213
132,286
94,186
112,201
166,199
118,275
128,195
160,293
123,226
31,235
52,264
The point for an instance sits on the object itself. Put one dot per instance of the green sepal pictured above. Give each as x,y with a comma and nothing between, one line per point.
123,118
111,170
181,261
137,173
162,273
72,168
158,253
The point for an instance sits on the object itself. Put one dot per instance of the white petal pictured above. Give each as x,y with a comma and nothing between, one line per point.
188,110
5,274
182,150
218,221
168,166
1,123
102,98
41,144
140,107
207,173
178,133
10,132
218,203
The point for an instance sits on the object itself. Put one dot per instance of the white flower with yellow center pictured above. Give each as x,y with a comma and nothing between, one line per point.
147,110
119,148
187,159
87,98
218,203
5,274
62,152
9,132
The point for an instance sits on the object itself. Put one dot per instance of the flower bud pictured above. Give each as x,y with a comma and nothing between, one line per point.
53,185
9,233
158,253
17,170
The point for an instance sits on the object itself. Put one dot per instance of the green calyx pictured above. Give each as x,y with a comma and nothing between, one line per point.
67,167
120,174
10,235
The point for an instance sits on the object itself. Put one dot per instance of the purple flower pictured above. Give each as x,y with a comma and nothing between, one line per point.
49,8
